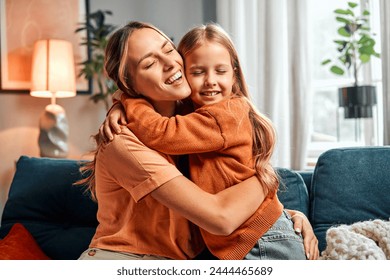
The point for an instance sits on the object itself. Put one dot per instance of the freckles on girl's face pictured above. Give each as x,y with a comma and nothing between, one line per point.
156,67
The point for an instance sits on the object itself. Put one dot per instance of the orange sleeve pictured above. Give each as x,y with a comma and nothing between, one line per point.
198,132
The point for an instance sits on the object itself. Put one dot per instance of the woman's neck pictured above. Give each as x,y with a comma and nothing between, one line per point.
165,108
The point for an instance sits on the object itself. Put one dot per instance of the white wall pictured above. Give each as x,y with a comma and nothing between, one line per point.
19,113
174,17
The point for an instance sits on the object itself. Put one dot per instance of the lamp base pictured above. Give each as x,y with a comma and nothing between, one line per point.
53,132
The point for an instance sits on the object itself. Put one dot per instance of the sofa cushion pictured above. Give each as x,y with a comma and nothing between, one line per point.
349,185
20,245
293,191
59,215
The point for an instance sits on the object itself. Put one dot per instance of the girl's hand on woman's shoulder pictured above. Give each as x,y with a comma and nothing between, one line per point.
111,124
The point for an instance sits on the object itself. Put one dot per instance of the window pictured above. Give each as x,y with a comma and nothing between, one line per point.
329,127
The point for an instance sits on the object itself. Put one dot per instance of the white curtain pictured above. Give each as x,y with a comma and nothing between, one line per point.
270,36
385,55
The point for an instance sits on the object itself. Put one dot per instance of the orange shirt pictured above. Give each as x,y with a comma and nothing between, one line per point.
218,139
131,220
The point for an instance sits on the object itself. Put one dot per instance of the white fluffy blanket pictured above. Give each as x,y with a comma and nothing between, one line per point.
369,240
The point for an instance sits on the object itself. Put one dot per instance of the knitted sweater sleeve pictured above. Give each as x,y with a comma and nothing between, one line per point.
199,132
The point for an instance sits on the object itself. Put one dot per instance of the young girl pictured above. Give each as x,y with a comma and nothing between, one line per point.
225,137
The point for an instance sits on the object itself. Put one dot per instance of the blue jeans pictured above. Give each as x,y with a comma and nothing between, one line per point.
280,242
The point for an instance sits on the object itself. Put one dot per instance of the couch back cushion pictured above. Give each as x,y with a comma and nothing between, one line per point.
349,185
60,215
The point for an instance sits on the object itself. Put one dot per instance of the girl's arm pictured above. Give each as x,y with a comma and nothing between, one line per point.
114,118
112,123
198,132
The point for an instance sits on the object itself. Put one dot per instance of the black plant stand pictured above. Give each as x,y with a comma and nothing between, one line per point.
357,125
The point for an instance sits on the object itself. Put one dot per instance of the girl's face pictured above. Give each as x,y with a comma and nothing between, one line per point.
210,73
156,67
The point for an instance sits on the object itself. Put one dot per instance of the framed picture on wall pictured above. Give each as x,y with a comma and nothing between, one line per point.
22,22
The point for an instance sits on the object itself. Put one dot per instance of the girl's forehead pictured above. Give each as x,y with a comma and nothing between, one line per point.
206,43
208,47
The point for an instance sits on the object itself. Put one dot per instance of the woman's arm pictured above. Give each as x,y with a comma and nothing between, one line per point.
225,211
220,213
302,225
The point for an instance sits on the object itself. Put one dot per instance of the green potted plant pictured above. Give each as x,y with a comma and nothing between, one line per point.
355,47
93,68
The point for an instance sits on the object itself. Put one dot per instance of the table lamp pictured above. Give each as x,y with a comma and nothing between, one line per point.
53,76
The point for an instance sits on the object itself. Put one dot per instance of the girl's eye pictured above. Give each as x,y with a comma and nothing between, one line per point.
197,72
170,50
221,71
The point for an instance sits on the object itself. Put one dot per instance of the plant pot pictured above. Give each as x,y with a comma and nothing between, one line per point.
357,101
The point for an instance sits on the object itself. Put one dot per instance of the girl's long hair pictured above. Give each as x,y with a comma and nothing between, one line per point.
116,67
264,135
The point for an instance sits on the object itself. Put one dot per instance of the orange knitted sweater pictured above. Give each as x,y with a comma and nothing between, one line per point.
218,139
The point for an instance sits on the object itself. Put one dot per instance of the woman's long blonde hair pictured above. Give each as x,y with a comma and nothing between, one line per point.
264,136
116,68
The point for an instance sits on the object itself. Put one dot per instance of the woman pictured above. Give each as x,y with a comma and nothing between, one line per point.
148,228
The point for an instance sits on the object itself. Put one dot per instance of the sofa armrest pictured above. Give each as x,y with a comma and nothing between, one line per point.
292,191
307,178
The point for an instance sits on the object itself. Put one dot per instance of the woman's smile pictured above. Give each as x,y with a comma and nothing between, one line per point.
175,78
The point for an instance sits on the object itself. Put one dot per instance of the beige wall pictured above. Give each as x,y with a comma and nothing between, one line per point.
19,114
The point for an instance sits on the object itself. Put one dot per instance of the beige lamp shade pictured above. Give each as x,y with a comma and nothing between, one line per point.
53,69
53,76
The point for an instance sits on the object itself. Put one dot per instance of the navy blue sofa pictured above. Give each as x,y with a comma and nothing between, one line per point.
347,185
